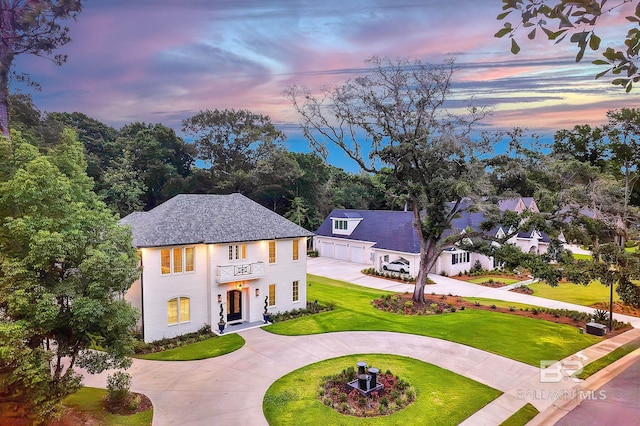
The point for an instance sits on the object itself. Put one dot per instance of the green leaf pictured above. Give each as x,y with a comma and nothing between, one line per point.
600,62
555,35
515,49
502,32
594,42
603,73
532,34
503,15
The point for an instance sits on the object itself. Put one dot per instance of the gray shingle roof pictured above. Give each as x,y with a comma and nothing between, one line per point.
205,218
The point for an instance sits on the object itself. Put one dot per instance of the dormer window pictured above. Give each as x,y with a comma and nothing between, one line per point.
340,224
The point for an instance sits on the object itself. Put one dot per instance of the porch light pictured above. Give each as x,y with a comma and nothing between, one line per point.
239,286
257,292
219,298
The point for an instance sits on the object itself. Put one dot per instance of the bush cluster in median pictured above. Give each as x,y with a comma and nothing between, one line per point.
335,393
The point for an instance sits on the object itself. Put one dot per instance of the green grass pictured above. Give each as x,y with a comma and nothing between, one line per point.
499,303
90,401
582,256
516,337
442,397
522,416
574,293
209,348
608,359
480,280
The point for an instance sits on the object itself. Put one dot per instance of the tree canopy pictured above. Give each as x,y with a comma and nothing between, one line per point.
32,27
65,264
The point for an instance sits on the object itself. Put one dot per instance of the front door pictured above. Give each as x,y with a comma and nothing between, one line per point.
234,305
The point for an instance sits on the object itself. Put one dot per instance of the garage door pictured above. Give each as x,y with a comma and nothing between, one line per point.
326,249
357,254
340,251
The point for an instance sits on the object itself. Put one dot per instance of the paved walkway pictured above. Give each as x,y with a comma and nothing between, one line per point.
229,389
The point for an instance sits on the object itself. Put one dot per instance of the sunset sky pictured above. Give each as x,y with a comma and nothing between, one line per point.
164,60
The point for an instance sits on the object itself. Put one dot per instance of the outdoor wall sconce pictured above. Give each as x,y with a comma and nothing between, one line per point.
219,298
257,292
239,286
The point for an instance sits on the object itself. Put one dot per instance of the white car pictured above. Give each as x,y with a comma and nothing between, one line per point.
400,265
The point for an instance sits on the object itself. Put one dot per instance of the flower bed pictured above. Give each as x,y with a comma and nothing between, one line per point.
335,393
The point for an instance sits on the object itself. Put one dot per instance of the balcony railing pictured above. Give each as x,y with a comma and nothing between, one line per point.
245,271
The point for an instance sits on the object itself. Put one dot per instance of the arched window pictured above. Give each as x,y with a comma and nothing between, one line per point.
178,310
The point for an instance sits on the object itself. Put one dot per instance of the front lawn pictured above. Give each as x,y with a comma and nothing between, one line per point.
523,339
574,293
442,397
209,348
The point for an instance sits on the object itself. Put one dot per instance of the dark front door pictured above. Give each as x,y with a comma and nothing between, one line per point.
234,305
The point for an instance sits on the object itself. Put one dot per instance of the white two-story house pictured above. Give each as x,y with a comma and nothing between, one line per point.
204,256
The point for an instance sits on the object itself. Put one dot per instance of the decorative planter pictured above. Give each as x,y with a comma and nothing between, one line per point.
266,317
221,327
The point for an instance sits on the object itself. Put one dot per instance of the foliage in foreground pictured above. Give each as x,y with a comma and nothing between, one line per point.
65,264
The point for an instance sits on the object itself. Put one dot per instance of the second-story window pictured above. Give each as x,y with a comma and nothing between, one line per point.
272,252
237,251
296,248
177,260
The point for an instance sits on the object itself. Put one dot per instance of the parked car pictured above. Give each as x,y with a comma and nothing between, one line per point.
399,265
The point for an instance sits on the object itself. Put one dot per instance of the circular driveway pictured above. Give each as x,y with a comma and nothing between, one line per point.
229,389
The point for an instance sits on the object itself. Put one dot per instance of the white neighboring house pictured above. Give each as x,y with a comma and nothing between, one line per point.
375,237
201,252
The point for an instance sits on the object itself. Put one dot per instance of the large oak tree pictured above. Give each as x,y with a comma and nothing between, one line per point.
393,121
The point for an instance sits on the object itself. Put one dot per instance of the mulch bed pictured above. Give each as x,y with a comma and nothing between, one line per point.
523,289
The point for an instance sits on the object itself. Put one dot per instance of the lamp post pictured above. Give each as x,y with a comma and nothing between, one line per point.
613,269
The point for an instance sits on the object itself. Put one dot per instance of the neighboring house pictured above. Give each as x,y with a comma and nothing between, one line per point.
201,252
375,237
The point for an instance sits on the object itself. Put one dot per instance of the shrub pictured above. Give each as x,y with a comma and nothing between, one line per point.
493,306
343,397
118,387
512,308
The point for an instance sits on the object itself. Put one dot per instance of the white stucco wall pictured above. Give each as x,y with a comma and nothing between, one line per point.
202,287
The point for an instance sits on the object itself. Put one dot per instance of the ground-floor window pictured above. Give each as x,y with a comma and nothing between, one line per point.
296,294
460,258
272,295
178,310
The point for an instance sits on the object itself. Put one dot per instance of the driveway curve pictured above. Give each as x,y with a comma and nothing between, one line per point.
229,389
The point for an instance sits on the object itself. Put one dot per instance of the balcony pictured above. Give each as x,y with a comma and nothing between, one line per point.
240,272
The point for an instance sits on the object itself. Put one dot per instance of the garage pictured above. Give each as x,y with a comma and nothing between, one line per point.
326,249
357,254
341,251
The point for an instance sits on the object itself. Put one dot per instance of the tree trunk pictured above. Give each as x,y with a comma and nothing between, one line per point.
6,58
428,256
